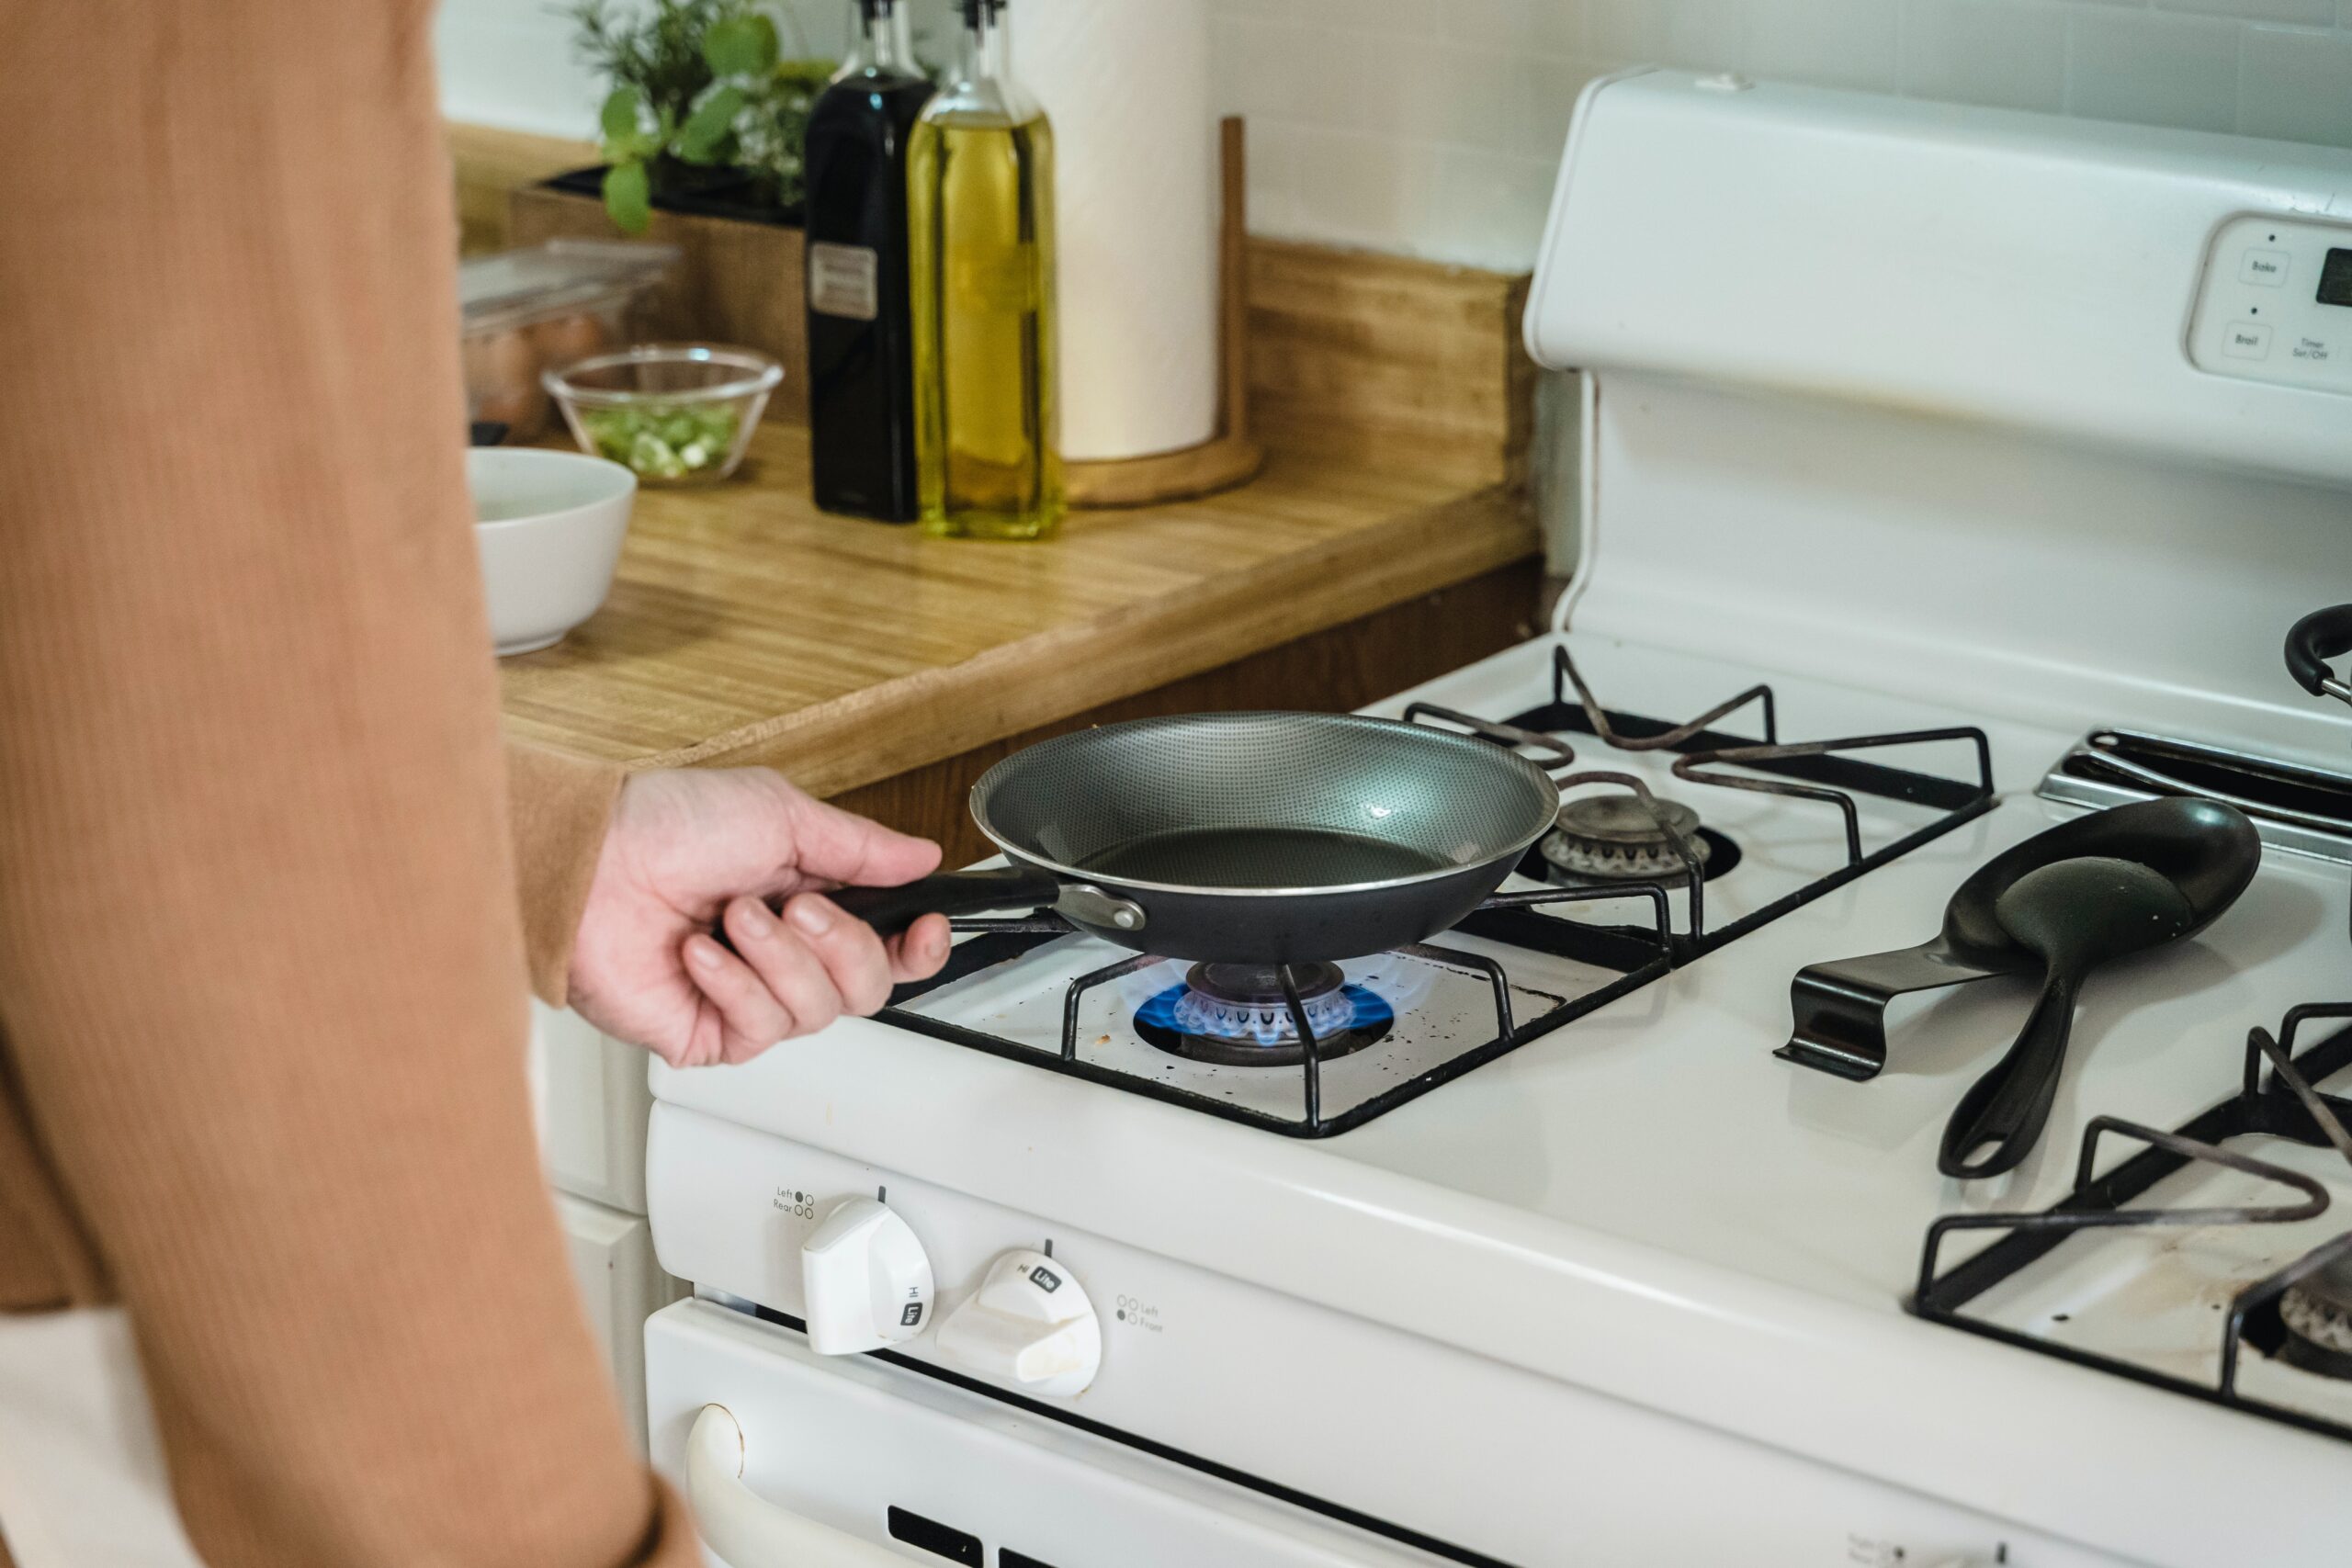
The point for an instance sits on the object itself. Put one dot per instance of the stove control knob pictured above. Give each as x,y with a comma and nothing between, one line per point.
864,1279
1028,1324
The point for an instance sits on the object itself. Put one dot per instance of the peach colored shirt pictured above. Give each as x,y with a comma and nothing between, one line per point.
262,958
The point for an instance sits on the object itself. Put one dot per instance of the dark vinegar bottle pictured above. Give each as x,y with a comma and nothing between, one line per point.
861,370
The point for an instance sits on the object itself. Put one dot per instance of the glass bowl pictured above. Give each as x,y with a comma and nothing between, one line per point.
674,413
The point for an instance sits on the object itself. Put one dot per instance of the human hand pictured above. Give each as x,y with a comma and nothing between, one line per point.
685,843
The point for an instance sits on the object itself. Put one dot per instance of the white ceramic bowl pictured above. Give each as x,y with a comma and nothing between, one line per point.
550,527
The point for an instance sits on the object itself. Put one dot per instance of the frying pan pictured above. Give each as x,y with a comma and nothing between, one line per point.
1244,838
2208,851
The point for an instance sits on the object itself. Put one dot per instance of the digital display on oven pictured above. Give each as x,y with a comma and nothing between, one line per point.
2335,278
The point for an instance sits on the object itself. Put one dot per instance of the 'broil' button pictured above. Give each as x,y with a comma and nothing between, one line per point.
2246,340
2266,267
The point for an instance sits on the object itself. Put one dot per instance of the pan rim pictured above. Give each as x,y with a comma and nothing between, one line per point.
1097,879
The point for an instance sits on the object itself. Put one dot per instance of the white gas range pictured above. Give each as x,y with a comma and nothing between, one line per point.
1943,425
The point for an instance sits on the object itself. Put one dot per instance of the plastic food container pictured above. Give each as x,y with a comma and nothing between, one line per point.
675,414
531,311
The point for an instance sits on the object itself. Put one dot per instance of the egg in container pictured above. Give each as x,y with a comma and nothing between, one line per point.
528,311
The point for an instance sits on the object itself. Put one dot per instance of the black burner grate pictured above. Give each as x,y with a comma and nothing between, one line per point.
2283,1103
1815,772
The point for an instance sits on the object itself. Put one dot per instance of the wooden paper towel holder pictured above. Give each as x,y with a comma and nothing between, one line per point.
1230,457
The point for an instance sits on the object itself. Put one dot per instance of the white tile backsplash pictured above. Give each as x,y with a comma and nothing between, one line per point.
1422,125
1357,189
1455,78
1840,43
2154,66
2008,53
1702,34
2292,85
1495,202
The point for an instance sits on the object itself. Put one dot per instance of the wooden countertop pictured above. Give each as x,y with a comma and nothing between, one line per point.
745,627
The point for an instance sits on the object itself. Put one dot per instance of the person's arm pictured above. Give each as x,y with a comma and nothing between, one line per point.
260,965
559,809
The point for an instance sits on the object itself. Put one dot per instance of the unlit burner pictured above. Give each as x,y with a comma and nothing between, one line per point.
1615,837
1236,1015
2316,1312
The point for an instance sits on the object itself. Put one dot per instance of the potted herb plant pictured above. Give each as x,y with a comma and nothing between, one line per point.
701,131
704,112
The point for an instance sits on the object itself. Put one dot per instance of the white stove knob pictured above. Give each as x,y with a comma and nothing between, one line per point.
864,1279
1029,1324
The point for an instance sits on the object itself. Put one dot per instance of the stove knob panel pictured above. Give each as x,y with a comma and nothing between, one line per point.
864,1279
1030,1324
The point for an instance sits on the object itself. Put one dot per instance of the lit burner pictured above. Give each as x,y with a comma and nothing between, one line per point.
1235,1015
1613,837
2317,1314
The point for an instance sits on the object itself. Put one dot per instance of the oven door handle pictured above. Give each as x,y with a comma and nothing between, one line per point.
747,1529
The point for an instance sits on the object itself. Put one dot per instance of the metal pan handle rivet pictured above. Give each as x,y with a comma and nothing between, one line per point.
1083,902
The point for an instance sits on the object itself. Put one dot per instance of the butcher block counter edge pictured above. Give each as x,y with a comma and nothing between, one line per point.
988,647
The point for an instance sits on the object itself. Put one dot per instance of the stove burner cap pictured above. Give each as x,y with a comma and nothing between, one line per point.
2316,1312
1236,1015
1256,985
1615,837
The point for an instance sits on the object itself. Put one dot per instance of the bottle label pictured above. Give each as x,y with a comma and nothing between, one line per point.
844,280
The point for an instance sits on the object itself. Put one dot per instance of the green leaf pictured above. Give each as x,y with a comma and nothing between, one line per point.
707,130
742,46
628,197
812,75
618,118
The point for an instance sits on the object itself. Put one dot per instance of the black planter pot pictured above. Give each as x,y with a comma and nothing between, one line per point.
692,190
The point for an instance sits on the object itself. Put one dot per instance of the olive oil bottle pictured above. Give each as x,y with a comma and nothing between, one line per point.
861,333
981,218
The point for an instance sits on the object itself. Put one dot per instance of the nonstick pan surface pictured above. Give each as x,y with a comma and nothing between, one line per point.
1253,803
1256,838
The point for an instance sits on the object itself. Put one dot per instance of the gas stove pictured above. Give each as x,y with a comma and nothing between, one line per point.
1316,1052
1924,507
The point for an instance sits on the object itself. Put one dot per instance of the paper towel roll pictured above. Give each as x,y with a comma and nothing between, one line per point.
1126,85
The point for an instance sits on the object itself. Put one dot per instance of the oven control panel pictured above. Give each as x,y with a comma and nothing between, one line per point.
2276,303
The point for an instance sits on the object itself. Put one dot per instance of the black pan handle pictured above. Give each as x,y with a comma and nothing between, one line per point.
890,910
2319,636
2008,1108
1839,1008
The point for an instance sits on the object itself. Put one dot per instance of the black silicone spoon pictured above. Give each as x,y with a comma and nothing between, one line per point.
2207,850
2076,915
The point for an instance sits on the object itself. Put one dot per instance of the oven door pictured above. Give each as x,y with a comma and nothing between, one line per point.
793,1459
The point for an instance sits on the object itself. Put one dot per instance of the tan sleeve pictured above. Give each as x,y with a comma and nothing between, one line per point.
261,968
560,808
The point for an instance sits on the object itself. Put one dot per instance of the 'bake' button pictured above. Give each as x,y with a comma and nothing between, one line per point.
2266,267
2246,340
2314,350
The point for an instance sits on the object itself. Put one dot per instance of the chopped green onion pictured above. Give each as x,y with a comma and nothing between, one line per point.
663,442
